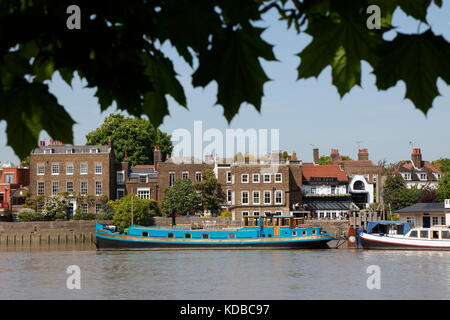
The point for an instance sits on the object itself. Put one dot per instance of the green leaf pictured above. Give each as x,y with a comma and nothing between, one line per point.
418,60
233,62
341,43
39,111
416,8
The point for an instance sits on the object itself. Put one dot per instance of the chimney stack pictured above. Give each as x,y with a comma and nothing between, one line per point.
416,158
334,156
156,157
316,156
363,154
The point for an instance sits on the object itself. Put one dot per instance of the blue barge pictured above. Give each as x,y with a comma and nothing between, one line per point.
275,232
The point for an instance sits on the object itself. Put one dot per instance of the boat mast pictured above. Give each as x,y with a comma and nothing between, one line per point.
132,220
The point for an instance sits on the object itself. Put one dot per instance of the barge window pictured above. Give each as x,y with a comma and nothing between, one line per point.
145,234
187,235
205,236
294,233
304,233
424,234
413,234
232,236
445,234
314,232
170,235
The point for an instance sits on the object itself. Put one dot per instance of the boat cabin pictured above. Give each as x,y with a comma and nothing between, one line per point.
388,227
433,233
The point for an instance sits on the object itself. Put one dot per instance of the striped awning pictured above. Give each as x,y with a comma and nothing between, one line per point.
332,205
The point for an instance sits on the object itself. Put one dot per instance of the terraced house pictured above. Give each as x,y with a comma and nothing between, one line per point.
78,170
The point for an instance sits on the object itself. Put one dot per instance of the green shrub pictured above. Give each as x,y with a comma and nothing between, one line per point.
60,216
27,214
226,214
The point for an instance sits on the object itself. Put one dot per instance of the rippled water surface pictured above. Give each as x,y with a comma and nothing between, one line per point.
226,274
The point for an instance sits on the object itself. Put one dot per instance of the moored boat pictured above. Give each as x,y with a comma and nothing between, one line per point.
275,232
395,235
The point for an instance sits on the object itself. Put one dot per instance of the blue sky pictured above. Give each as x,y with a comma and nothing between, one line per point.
307,112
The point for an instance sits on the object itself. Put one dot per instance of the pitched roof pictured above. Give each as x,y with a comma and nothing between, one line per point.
327,171
407,166
424,207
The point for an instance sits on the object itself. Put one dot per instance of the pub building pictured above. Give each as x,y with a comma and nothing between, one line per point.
326,192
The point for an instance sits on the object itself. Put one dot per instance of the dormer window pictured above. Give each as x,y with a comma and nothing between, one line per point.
94,150
423,176
407,176
49,151
70,150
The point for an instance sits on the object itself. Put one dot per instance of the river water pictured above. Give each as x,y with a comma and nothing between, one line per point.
41,273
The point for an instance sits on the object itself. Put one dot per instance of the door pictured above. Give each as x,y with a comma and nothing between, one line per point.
426,222
276,227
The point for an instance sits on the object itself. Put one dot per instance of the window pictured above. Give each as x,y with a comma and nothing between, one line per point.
94,150
228,176
267,213
83,187
413,234
303,232
229,195
143,179
98,207
143,193
435,220
244,213
84,208
55,188
145,234
328,215
55,168
443,221
244,178
98,168
69,168
423,176
244,197
313,190
120,177
278,177
187,236
198,176
171,178
256,213
185,175
267,178
71,150
120,193
314,232
411,220
83,168
49,151
255,178
278,197
407,176
294,233
333,189
205,236
170,235
267,197
424,234
40,169
9,178
256,197
40,188
98,188
445,234
69,187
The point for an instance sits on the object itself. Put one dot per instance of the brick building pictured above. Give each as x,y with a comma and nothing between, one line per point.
261,187
14,183
77,170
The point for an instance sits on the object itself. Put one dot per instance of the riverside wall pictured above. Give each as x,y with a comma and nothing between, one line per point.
83,231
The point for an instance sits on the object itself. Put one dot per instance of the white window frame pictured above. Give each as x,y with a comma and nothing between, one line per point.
270,196
84,208
98,207
259,197
97,188
55,165
267,175
122,175
242,198
67,189
142,193
245,213
96,167
185,175
242,177
81,187
171,178
9,180
43,188
423,176
122,190
281,177
197,175
55,183
42,166
81,168
255,175
143,176
229,176
256,215
281,196
68,172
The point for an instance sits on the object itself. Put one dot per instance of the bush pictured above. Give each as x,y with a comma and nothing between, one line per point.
226,214
143,211
60,216
27,214
54,205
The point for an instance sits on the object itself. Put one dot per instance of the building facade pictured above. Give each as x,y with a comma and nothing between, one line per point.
426,214
14,183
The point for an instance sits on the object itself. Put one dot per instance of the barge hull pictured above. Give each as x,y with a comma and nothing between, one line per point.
379,245
114,244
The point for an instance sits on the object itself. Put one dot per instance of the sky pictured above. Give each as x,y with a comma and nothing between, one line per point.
308,113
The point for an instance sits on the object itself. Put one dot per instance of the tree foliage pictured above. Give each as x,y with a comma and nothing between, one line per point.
442,164
211,191
117,51
397,196
443,189
182,197
136,136
143,211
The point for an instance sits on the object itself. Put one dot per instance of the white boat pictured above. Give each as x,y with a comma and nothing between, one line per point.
395,235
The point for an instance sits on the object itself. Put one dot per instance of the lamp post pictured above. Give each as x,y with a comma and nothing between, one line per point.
11,195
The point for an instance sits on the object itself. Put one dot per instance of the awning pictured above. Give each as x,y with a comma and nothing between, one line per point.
332,205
